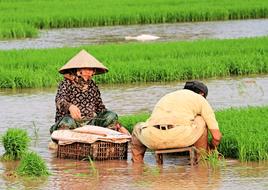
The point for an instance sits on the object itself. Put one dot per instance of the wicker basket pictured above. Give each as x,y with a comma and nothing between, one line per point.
98,150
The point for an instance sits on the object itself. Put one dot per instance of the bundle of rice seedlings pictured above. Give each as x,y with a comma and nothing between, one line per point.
16,143
32,165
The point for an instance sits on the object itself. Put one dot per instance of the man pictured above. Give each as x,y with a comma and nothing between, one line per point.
179,119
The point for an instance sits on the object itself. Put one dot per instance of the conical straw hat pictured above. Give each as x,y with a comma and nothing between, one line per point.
84,60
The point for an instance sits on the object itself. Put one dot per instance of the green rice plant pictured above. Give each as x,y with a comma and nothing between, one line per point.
35,131
129,121
16,143
11,30
151,171
80,175
244,133
32,165
88,13
35,135
212,158
94,171
136,62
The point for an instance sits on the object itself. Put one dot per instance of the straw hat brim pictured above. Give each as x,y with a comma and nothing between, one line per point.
83,60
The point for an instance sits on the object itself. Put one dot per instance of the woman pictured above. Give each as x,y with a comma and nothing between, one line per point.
78,99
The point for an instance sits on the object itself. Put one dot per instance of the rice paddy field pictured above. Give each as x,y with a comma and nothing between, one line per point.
147,62
244,130
34,110
23,18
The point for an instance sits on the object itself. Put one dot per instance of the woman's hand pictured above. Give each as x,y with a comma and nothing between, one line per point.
75,112
124,131
121,129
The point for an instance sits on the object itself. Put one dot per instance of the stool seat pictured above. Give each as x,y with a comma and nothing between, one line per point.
191,149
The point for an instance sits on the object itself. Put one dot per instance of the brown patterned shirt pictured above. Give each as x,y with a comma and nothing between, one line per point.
84,94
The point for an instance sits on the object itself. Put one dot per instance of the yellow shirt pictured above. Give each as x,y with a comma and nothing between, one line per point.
180,108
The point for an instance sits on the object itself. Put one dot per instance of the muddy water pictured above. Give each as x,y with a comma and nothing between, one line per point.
166,32
175,173
29,108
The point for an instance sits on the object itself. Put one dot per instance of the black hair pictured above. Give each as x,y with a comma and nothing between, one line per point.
70,71
196,87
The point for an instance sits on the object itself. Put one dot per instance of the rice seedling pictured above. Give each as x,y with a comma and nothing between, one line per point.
35,131
92,168
27,18
32,165
81,175
212,158
134,62
245,133
9,30
16,143
35,134
151,171
130,121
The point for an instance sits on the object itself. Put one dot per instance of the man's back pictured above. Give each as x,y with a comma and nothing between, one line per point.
180,108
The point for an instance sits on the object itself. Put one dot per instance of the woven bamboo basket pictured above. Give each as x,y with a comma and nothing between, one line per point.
98,150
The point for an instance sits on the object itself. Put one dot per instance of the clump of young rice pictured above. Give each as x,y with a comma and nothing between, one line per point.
16,142
32,165
135,62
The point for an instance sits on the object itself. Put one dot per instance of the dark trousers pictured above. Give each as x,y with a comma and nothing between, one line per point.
104,119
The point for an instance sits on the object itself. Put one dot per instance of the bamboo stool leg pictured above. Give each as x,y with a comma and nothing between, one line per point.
191,153
159,158
193,156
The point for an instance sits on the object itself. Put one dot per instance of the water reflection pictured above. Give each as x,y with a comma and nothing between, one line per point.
252,175
124,174
120,174
167,32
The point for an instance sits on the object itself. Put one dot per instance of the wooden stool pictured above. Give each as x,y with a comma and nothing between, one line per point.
191,149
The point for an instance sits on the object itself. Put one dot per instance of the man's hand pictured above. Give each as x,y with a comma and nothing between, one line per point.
75,112
213,144
216,138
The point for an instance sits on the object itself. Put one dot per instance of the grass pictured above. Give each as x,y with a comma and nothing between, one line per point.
32,165
245,132
135,62
16,142
22,18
